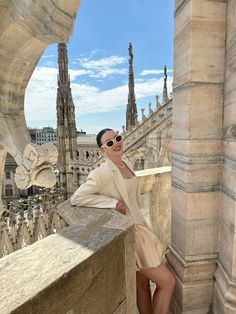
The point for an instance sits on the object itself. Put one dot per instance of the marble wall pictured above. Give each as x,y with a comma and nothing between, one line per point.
225,285
199,61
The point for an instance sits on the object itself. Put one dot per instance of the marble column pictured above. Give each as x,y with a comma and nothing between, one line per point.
199,54
225,285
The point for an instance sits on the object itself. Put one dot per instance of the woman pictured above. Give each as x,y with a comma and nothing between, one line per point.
114,185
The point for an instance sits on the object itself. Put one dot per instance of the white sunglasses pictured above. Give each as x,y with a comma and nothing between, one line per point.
110,143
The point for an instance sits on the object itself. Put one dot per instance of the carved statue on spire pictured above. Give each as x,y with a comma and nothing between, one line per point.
130,54
165,92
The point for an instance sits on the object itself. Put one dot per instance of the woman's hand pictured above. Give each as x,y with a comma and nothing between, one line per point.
121,207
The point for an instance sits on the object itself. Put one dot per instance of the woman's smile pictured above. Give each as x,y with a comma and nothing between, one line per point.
118,148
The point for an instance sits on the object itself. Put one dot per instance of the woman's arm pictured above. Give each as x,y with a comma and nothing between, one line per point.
88,193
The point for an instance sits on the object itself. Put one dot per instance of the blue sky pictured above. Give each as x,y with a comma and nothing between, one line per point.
98,63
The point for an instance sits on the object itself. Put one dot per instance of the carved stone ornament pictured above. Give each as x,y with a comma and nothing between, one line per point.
37,166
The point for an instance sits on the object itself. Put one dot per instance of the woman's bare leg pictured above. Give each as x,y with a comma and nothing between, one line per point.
165,282
144,300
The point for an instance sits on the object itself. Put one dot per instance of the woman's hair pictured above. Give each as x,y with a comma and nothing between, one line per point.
99,136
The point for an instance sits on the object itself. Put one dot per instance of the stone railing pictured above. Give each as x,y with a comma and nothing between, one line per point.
155,188
30,220
155,120
88,267
73,262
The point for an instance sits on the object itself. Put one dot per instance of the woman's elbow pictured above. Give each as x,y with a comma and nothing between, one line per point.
74,200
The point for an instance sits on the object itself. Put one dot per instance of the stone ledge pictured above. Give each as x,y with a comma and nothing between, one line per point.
93,218
68,271
152,171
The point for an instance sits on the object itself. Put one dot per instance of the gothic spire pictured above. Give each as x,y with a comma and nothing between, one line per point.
66,127
63,76
131,110
165,92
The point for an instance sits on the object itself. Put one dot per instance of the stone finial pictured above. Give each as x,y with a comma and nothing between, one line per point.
143,115
158,105
150,108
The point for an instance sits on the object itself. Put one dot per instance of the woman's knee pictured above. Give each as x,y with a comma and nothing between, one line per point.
143,283
165,278
170,281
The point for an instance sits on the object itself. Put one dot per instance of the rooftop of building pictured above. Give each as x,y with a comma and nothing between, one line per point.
88,139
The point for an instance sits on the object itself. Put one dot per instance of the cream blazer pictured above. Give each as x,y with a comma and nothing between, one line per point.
100,190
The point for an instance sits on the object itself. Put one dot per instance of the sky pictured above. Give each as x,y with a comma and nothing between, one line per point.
98,63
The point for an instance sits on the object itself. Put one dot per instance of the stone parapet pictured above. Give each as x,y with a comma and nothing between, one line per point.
89,267
155,188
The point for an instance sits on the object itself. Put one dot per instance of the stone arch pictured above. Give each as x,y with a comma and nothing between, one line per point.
26,29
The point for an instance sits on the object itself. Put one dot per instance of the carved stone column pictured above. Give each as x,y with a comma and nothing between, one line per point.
199,53
2,166
225,285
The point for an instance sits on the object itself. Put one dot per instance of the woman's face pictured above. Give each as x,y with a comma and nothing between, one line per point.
116,149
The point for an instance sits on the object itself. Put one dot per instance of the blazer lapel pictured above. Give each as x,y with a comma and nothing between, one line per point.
118,181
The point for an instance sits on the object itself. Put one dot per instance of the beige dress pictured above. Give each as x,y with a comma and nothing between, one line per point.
104,186
149,250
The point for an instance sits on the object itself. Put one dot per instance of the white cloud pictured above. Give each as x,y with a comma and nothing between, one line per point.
139,80
89,99
75,73
48,56
153,72
40,98
104,67
95,52
100,68
108,72
102,63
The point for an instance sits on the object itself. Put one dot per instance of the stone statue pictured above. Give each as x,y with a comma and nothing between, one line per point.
130,53
27,28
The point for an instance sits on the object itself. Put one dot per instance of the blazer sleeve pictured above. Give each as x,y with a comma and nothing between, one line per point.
88,194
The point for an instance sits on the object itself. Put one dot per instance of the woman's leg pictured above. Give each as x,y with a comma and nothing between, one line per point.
165,282
143,294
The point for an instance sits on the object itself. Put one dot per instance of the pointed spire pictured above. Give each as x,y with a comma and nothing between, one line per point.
131,110
63,76
165,92
66,127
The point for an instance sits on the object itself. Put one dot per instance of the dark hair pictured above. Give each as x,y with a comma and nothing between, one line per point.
99,136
